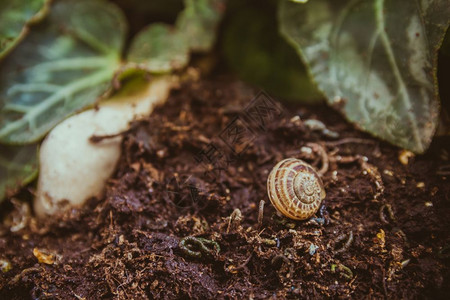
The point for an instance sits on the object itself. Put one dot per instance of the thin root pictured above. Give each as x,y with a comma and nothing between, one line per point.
197,247
323,155
347,243
388,208
22,274
345,271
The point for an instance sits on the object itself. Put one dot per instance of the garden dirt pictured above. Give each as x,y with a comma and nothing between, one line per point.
180,216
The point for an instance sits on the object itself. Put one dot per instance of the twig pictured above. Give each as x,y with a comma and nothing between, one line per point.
23,273
234,219
98,138
241,266
349,141
260,213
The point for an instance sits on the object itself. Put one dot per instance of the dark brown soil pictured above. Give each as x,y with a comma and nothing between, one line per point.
383,232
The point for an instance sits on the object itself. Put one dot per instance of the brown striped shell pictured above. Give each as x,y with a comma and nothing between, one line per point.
295,189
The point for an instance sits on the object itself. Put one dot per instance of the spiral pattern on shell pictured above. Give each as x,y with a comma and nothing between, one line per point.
295,189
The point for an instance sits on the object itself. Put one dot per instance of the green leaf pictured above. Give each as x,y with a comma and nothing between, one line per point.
254,49
375,61
18,166
154,10
15,18
444,89
62,66
159,48
198,22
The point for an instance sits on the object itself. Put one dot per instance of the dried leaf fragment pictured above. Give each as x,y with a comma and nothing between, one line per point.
44,257
404,157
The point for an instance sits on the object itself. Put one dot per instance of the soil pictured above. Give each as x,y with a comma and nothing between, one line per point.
179,218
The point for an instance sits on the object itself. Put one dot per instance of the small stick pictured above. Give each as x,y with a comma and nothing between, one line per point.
260,213
349,141
98,138
375,174
234,218
241,266
23,273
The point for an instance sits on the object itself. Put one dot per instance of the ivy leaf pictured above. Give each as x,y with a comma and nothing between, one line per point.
159,48
15,18
199,21
375,61
62,66
18,166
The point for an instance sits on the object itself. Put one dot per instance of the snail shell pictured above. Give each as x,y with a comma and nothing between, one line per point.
295,189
